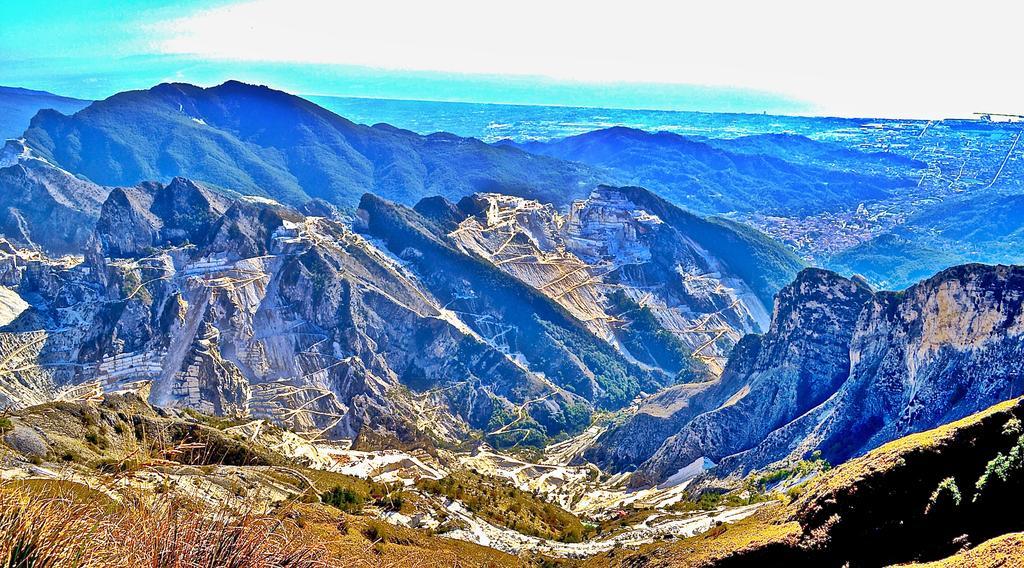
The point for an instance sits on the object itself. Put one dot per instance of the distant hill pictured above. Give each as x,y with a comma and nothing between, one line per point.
798,149
780,174
259,141
18,106
984,226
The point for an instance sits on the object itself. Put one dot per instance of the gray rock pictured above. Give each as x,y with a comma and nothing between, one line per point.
27,442
843,370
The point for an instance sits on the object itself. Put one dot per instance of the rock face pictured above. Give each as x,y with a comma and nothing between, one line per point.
500,314
643,285
516,319
842,370
241,307
769,381
42,206
606,299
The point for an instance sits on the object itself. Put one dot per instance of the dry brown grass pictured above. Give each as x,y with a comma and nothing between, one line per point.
1006,551
365,542
65,531
63,524
767,527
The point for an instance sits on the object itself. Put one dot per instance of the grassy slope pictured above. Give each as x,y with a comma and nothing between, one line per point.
85,523
500,503
119,444
1006,551
879,498
766,530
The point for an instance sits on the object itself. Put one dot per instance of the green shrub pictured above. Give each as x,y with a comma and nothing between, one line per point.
380,532
6,425
373,531
392,501
503,504
95,438
1004,469
945,498
343,498
1012,428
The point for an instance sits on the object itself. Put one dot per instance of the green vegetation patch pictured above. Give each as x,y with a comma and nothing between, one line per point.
498,502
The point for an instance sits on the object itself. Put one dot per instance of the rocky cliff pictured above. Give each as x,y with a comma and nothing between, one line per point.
499,315
604,298
843,370
645,285
43,207
242,307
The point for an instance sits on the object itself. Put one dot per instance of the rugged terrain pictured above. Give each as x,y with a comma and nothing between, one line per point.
894,201
664,288
107,471
943,495
227,299
841,370
240,307
410,324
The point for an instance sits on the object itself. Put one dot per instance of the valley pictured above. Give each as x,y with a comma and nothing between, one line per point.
716,343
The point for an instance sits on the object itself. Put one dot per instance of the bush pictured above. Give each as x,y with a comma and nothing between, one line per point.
343,498
1013,428
945,498
116,466
375,532
501,503
1002,470
6,425
392,501
97,439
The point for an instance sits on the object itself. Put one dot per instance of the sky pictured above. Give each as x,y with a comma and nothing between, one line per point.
892,58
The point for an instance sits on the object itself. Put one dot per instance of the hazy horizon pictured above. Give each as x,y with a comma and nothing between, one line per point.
789,58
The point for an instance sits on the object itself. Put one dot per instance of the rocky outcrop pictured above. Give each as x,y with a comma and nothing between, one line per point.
245,307
512,317
843,370
937,352
769,381
647,287
135,220
45,207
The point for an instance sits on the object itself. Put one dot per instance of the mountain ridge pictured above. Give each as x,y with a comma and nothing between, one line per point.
253,139
18,105
711,177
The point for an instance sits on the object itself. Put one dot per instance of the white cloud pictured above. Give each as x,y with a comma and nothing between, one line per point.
873,57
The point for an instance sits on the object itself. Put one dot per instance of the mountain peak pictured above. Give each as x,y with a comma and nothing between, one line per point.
261,141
